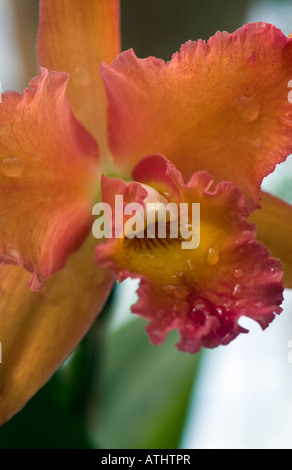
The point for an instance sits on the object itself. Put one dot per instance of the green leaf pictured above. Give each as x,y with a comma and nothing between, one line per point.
145,393
44,424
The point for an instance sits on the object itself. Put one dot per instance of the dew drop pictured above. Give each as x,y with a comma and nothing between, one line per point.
178,292
261,28
286,122
80,76
153,261
238,273
11,166
257,142
213,255
219,311
190,265
166,195
12,255
248,107
274,272
236,289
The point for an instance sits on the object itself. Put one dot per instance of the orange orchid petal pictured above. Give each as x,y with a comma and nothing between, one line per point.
75,37
48,177
39,330
274,230
220,106
201,291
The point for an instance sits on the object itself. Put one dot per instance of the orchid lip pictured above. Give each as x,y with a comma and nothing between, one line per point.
201,292
150,220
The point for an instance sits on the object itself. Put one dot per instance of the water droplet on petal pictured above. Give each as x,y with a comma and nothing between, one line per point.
213,255
178,292
190,265
12,255
11,166
153,261
238,273
166,195
81,76
257,142
236,289
286,122
248,107
261,28
274,272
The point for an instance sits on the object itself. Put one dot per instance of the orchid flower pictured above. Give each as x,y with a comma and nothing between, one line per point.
205,127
